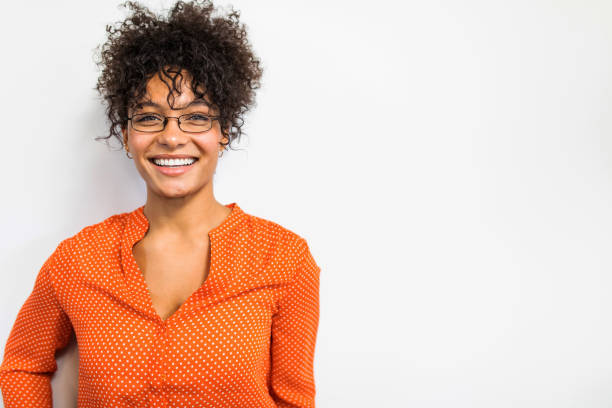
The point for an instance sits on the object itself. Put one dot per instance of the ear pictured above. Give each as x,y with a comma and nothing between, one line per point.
124,132
225,137
226,132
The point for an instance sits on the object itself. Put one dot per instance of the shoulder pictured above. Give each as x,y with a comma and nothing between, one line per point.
271,235
286,249
104,233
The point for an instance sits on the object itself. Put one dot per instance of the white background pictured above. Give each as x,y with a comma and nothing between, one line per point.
449,163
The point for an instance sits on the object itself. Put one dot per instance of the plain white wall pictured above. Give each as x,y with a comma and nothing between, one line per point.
448,162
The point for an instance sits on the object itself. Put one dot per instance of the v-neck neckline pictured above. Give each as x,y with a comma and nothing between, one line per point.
136,229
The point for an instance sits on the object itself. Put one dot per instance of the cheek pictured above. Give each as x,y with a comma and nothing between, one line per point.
139,144
208,141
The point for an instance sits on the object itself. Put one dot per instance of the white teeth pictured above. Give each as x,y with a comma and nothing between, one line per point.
173,162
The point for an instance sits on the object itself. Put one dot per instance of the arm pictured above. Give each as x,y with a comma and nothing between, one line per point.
294,332
41,328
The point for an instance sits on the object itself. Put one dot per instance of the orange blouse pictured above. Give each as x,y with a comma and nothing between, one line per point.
245,338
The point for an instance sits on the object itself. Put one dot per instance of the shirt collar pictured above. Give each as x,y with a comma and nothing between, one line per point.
138,224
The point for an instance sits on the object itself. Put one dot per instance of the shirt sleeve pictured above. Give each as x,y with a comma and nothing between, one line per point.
294,333
41,328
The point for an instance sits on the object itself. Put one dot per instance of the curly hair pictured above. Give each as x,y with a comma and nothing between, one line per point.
214,50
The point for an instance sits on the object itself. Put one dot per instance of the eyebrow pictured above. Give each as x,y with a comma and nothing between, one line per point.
152,104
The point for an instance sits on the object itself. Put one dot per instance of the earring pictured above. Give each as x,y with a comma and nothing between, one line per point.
127,150
220,153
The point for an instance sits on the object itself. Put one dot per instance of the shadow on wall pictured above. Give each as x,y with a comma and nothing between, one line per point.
65,381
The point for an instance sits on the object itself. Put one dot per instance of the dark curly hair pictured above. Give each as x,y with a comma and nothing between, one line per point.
214,50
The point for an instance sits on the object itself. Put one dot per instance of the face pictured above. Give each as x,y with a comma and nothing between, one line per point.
184,179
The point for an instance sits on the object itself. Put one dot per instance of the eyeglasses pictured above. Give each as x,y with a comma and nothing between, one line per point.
194,122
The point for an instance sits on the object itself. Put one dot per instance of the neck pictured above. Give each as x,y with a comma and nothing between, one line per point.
187,217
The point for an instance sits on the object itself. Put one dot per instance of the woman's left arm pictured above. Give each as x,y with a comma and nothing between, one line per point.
294,334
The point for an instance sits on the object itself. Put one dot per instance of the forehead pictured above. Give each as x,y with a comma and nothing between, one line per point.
171,90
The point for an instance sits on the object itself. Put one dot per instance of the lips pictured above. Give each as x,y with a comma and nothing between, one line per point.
173,167
173,162
173,156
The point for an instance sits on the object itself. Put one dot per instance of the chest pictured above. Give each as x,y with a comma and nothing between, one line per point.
172,272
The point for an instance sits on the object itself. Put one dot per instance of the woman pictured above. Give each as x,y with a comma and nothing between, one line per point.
182,302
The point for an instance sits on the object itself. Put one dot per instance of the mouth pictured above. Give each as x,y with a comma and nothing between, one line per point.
182,162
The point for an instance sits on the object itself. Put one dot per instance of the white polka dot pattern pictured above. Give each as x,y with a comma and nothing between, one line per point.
245,338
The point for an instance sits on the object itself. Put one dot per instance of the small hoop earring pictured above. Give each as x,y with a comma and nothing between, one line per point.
127,152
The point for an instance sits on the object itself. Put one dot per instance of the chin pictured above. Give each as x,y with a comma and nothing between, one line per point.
176,193
170,192
174,188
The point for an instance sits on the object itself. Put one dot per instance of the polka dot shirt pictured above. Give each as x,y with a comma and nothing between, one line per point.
245,338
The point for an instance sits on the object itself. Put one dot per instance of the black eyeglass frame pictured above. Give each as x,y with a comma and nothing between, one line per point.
178,119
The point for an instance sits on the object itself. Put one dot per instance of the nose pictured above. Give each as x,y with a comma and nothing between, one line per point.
172,136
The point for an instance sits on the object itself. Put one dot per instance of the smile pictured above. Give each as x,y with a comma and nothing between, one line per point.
173,162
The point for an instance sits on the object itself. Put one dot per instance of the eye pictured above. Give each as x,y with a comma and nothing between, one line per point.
147,118
196,117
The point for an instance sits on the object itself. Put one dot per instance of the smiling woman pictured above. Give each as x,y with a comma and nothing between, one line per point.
156,142
183,301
